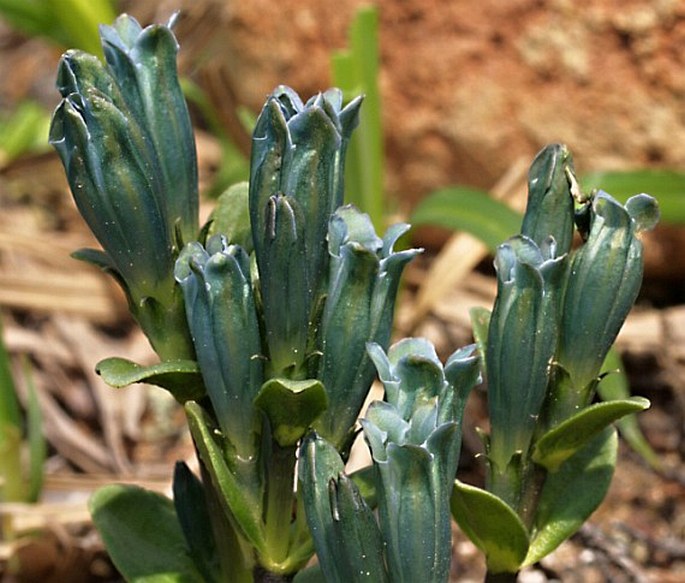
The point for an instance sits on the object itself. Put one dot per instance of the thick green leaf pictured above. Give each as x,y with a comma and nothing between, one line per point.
231,217
193,517
142,535
667,186
36,440
492,526
572,494
467,209
614,385
291,406
312,574
564,440
181,378
346,536
241,498
12,487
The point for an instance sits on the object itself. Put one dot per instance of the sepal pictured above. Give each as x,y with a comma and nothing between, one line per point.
347,539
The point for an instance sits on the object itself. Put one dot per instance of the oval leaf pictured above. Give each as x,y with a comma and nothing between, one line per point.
181,378
193,516
564,440
492,526
142,535
470,210
572,494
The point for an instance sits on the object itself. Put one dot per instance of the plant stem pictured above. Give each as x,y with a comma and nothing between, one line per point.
234,561
261,575
501,577
279,504
533,480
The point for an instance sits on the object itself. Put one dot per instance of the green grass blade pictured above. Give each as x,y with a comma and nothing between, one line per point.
36,441
23,130
667,186
235,167
28,16
79,21
69,23
10,413
10,432
470,210
355,71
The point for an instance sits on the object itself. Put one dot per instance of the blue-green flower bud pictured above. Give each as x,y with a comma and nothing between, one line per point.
124,136
285,288
143,62
521,343
223,322
348,541
415,441
552,187
364,278
114,178
603,282
298,150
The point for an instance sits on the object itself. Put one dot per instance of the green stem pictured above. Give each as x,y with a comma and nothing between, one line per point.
533,480
235,561
279,505
165,325
263,576
501,577
508,483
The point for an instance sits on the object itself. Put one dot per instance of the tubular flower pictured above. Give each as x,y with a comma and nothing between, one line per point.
603,282
415,441
124,136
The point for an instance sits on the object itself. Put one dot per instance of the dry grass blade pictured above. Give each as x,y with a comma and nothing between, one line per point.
88,349
38,274
70,440
86,294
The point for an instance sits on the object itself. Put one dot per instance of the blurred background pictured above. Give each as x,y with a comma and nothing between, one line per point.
461,97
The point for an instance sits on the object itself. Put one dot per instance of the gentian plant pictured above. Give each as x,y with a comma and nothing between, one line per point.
551,451
273,320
